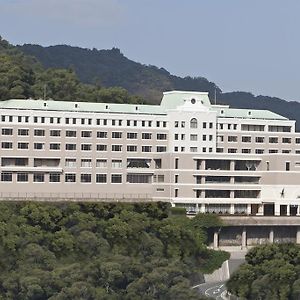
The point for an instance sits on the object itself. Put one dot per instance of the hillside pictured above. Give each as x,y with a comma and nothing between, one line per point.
110,68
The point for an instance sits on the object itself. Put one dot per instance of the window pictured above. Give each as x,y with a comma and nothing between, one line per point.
7,145
286,151
287,166
54,146
273,140
101,163
116,163
131,148
248,127
193,149
273,151
116,135
204,125
39,146
138,178
204,137
220,138
101,147
22,177
193,137
38,177
23,131
39,132
86,134
176,123
131,135
86,147
176,149
182,124
232,150
86,163
71,147
246,151
286,140
22,145
297,140
55,133
176,193
176,178
146,148
220,150
176,136
101,178
232,138
161,136
138,163
116,178
273,128
85,178
54,177
193,123
70,177
102,134
146,136
7,131
116,148
71,133
246,139
161,149
159,178
6,176
259,151
176,163
211,125
70,162
259,139
157,123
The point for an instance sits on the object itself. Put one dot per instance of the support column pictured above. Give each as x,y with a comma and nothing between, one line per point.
249,209
232,209
271,235
260,210
232,165
244,238
298,210
216,239
288,210
202,208
298,235
277,209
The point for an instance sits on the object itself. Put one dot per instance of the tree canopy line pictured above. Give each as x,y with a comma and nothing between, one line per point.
102,251
23,77
271,272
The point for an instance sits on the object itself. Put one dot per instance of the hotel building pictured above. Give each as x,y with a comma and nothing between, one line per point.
204,157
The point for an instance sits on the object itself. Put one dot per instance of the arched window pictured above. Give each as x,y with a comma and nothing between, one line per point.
193,123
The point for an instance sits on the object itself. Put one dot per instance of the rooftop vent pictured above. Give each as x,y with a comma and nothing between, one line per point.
249,113
193,100
106,107
76,105
45,104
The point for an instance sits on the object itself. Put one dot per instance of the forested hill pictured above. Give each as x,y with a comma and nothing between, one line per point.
109,68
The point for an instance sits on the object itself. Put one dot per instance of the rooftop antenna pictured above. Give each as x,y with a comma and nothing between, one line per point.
215,96
45,91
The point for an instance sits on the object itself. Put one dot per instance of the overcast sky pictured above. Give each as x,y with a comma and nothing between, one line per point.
243,45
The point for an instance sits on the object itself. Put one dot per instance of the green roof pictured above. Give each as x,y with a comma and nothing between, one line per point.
247,113
52,105
170,100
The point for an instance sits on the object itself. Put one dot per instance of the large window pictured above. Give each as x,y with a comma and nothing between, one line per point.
54,146
116,178
86,134
54,177
71,133
22,177
146,136
138,163
101,147
86,163
6,176
70,177
22,145
102,134
39,132
132,148
85,178
23,132
101,163
161,136
116,135
55,133
7,131
101,178
71,147
193,123
7,145
138,178
38,177
70,162
116,148
131,135
86,147
39,146
116,163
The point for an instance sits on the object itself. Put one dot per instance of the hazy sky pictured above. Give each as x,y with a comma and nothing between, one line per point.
243,45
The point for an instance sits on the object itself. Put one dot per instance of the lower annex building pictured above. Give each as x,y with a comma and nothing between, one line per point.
204,157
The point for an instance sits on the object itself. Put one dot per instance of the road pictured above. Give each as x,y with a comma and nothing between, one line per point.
216,290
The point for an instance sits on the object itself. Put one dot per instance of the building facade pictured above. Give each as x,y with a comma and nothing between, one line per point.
204,157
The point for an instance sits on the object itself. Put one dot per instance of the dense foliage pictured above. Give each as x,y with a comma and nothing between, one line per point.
270,272
23,77
102,251
111,68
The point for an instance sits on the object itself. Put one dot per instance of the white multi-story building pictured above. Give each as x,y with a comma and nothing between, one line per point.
208,158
